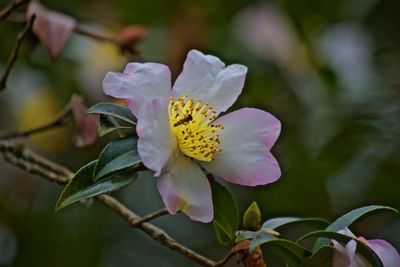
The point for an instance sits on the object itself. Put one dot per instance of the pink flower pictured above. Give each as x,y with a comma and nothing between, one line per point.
179,132
346,256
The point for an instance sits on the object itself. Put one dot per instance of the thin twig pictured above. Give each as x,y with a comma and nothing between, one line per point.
224,259
58,121
13,5
14,53
150,217
93,35
32,162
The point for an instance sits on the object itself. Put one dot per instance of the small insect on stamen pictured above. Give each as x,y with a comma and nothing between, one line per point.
196,134
187,119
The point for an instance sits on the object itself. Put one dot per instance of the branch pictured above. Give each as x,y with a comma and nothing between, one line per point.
32,162
14,53
56,122
153,231
93,35
11,155
13,5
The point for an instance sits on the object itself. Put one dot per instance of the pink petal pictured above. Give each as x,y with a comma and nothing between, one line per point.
342,255
184,187
205,77
245,159
386,252
52,28
139,83
347,256
156,142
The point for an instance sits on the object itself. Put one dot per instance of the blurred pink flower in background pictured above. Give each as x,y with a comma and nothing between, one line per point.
266,32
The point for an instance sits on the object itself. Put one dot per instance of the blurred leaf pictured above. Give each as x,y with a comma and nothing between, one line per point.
85,127
226,214
348,219
117,111
52,28
321,258
362,248
81,186
108,125
252,217
118,155
276,223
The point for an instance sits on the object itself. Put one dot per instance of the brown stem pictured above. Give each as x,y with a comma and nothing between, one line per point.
14,53
56,122
13,5
151,216
93,35
32,162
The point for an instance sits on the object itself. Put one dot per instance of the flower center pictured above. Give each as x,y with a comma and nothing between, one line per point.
191,123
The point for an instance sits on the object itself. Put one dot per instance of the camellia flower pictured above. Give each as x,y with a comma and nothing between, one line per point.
179,132
346,256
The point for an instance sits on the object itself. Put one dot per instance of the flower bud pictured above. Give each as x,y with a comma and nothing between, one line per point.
252,217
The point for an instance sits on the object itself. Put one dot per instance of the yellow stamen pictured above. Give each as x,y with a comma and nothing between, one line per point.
191,123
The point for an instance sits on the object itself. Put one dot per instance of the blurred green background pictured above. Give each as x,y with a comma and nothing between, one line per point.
329,70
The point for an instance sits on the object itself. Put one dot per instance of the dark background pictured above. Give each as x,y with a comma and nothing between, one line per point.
329,70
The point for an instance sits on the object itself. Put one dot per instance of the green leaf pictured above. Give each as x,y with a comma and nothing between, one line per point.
108,125
220,234
252,217
81,186
117,111
321,258
245,235
226,214
279,222
265,238
363,249
355,215
118,155
290,252
350,218
286,255
252,234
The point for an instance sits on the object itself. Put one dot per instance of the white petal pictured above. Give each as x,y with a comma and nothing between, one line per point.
156,141
340,256
139,83
245,159
184,187
205,77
